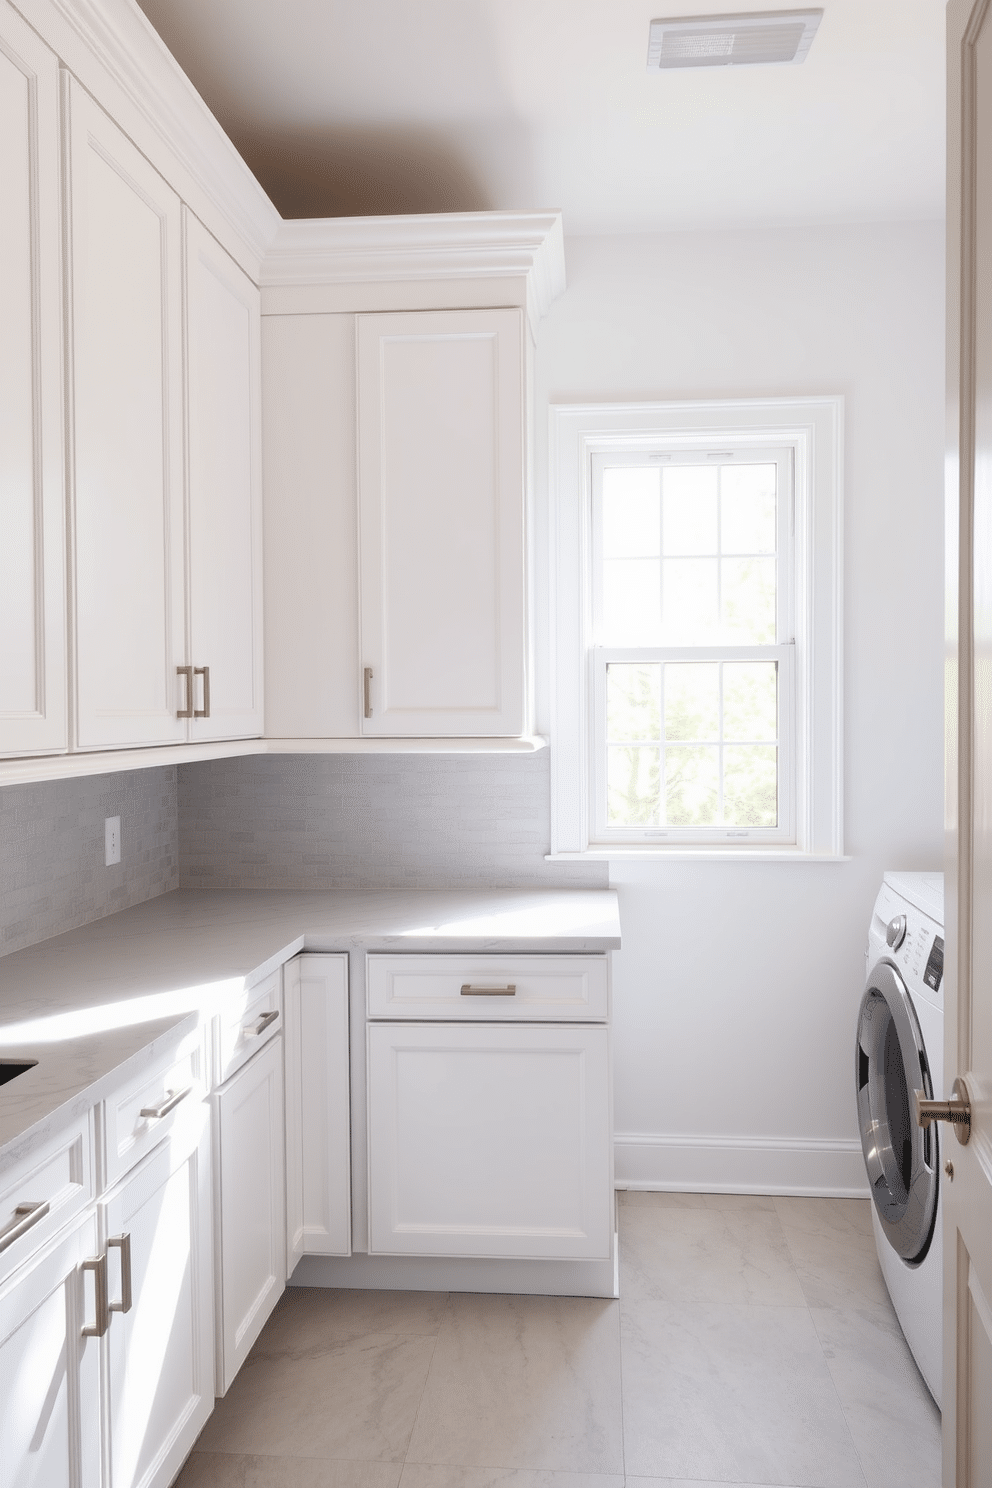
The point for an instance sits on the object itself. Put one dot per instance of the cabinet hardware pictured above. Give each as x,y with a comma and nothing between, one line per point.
262,1023
956,1111
367,682
168,1103
203,672
187,672
123,1244
98,1265
25,1215
510,990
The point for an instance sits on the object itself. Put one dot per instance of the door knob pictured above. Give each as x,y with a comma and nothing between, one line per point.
957,1111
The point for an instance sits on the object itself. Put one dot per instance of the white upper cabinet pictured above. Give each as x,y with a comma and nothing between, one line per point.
127,438
32,550
223,398
441,440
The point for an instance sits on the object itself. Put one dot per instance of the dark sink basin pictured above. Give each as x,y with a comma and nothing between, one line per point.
11,1068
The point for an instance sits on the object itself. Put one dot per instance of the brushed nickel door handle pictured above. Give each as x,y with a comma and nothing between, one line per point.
169,1102
123,1244
261,1024
957,1111
98,1265
25,1215
367,687
187,672
509,990
203,672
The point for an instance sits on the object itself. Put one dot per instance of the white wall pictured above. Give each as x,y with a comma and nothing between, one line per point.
738,985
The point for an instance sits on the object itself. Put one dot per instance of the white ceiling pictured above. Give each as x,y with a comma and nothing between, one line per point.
348,107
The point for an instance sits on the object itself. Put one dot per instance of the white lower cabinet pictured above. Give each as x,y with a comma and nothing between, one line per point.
50,1371
318,1117
490,1140
159,1355
250,1206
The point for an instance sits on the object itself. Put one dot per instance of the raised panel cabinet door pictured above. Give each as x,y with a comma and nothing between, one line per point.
224,510
33,690
490,1140
126,463
50,1371
441,522
160,1356
250,1180
318,1107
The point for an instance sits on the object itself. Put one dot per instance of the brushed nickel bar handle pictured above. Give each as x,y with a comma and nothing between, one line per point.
98,1265
262,1023
25,1215
123,1244
203,672
187,672
168,1103
956,1111
509,990
367,686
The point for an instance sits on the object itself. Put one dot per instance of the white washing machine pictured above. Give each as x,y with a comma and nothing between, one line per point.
901,1049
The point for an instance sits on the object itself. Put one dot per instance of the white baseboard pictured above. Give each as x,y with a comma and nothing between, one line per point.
457,1274
831,1168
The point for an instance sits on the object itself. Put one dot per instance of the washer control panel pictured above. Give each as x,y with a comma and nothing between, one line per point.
912,940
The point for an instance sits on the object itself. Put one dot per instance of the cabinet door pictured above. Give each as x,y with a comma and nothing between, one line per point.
160,1370
49,1372
223,398
32,556
318,1124
127,452
490,1141
250,1182
441,522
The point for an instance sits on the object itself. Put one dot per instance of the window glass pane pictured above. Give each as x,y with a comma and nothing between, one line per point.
691,604
632,786
692,700
747,508
750,700
631,512
692,775
750,785
631,600
748,600
689,509
633,701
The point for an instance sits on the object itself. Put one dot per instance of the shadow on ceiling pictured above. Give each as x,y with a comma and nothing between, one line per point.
362,172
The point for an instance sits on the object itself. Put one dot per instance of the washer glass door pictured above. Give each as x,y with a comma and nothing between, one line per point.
901,1157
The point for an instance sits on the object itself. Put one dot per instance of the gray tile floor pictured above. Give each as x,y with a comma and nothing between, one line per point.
753,1343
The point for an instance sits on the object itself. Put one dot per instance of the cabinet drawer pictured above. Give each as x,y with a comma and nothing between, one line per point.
572,989
44,1191
245,1024
152,1105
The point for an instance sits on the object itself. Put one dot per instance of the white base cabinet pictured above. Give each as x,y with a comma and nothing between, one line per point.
318,1123
250,1180
490,1140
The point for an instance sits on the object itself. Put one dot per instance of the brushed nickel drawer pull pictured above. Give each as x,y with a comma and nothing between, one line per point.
367,686
169,1102
262,1023
123,1244
187,672
25,1215
509,990
203,712
98,1265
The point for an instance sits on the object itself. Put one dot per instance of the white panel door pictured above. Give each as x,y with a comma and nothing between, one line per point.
318,1119
441,522
50,1372
32,547
223,411
127,448
490,1140
160,1371
250,1181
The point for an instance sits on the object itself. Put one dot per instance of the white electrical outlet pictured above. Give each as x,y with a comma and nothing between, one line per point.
112,840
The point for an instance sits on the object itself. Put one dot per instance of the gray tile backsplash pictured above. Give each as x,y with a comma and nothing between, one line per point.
372,821
52,873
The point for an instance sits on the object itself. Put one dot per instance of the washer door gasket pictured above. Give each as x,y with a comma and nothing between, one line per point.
901,1158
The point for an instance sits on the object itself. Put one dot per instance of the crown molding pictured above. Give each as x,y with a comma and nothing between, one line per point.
131,55
451,245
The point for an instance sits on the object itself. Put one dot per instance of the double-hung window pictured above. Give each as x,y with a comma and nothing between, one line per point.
696,691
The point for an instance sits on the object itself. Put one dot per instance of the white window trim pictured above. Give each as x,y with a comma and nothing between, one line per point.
813,429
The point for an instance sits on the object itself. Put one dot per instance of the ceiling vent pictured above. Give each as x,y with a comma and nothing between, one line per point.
732,40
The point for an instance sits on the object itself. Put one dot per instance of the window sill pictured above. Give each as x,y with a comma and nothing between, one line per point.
685,854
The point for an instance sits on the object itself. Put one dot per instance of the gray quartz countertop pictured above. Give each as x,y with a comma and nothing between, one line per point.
89,1004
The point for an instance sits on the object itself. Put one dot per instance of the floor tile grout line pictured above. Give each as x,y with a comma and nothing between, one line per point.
420,1402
